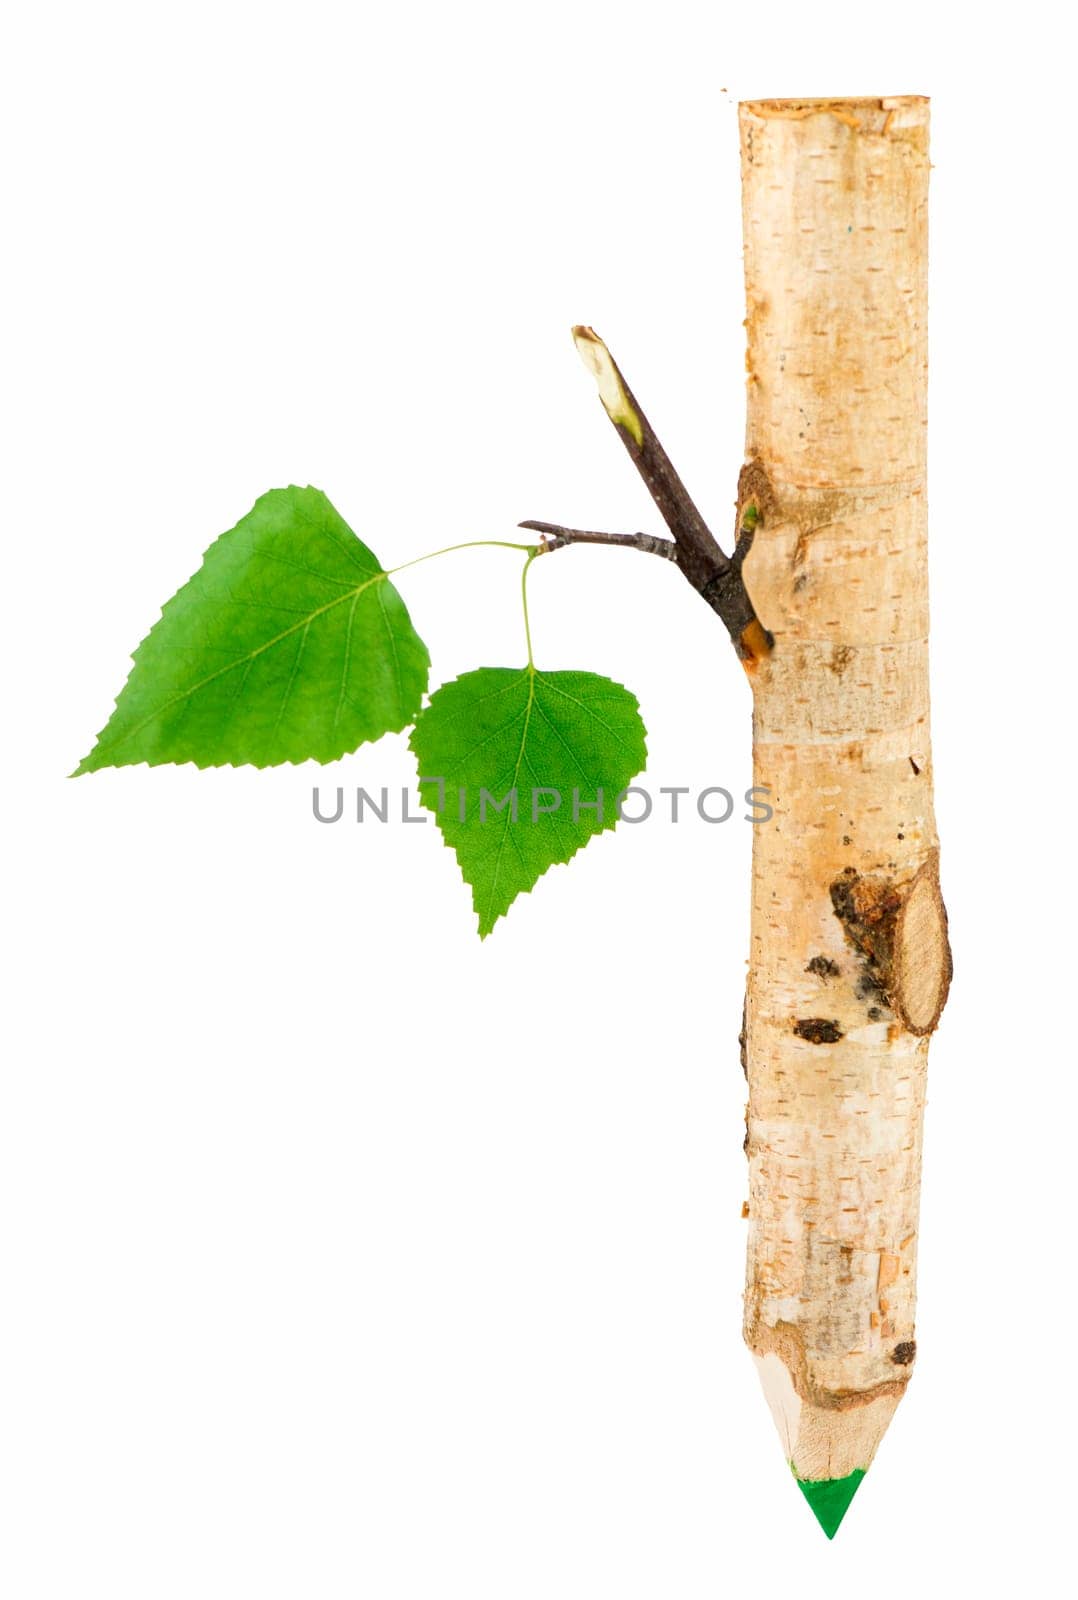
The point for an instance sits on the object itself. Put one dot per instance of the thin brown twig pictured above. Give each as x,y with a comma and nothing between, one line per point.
557,537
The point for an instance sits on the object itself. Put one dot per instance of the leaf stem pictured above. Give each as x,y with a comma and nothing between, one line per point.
529,550
470,544
524,601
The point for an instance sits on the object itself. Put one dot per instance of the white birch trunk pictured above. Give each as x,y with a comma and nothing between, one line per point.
849,962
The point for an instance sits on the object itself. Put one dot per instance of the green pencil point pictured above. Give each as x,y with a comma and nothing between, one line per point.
830,1498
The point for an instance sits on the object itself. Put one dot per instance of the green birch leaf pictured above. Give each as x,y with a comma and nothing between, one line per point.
288,644
557,741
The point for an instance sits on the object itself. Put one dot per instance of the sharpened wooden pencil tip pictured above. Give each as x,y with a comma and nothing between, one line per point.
830,1498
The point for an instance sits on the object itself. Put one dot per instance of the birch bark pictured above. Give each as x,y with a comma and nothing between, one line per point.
849,961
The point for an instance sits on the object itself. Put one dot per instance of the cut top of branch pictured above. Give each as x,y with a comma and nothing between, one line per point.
612,391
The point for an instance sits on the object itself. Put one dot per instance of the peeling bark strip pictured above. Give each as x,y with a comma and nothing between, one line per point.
849,963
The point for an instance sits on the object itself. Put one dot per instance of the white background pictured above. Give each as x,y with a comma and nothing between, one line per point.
343,1255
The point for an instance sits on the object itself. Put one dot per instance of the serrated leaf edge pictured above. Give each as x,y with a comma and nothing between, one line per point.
607,826
351,594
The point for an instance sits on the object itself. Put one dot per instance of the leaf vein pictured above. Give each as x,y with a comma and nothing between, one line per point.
291,676
185,694
593,714
516,773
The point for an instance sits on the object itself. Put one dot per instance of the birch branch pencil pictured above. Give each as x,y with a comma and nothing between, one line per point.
850,962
